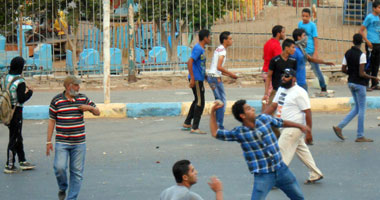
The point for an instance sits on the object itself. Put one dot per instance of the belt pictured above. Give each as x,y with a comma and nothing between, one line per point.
214,75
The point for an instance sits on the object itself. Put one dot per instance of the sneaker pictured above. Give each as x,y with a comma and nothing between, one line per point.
62,195
197,131
363,139
10,169
26,165
338,132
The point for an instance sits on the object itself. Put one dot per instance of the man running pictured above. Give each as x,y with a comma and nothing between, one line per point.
214,75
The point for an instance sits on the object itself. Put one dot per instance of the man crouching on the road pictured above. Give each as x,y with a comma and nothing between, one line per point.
260,149
66,114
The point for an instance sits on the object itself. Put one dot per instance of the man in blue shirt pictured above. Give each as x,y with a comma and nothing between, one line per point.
299,36
260,149
372,43
197,70
312,46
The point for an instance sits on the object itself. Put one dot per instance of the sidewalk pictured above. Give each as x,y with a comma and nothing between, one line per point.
176,102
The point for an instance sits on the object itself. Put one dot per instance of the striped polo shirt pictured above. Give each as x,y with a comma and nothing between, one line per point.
69,119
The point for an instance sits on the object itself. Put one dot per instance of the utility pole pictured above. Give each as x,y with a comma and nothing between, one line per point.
131,42
20,31
106,52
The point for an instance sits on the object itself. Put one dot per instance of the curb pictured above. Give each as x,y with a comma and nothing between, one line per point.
165,109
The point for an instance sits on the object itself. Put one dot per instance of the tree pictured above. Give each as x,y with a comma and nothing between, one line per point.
188,13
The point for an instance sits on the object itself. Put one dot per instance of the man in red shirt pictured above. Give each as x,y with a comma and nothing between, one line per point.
272,48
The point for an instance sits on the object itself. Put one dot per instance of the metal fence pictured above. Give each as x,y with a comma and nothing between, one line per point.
65,36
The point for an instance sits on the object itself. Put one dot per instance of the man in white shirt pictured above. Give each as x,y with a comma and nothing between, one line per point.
185,175
292,103
214,75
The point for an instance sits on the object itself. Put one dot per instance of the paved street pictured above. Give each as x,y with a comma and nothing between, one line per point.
122,157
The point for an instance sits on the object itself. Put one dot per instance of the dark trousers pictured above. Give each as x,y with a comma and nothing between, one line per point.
374,60
15,145
197,106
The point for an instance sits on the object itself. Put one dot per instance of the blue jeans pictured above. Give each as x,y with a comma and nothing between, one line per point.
77,154
283,178
359,96
218,90
318,73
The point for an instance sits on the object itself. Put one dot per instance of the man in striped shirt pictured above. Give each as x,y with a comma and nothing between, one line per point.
66,115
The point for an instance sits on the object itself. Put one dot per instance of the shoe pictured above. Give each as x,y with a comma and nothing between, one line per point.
186,127
197,131
338,132
26,165
10,169
322,94
307,182
369,89
61,195
363,139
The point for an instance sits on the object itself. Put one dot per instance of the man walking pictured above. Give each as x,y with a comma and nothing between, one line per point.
214,75
197,71
299,36
186,176
354,62
371,24
66,115
260,149
20,93
312,47
271,49
292,103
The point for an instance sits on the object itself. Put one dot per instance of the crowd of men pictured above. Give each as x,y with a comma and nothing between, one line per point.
286,110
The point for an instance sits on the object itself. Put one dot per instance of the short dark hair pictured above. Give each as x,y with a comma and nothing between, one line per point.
180,168
287,43
306,10
203,34
298,32
357,39
276,29
375,4
238,108
224,36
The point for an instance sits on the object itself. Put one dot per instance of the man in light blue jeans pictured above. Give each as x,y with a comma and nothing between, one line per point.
214,75
66,115
312,46
354,62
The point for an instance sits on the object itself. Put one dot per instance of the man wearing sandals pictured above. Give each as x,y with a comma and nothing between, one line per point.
292,103
197,73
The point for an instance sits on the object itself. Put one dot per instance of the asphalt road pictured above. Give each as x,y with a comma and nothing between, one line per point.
122,157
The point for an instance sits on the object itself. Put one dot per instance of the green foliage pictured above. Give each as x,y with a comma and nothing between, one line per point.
190,11
40,10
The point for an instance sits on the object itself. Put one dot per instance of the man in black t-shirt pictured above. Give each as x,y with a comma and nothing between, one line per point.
276,67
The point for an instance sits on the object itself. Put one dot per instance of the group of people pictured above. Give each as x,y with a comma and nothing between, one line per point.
286,105
66,116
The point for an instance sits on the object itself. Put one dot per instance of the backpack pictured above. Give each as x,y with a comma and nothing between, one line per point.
6,110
